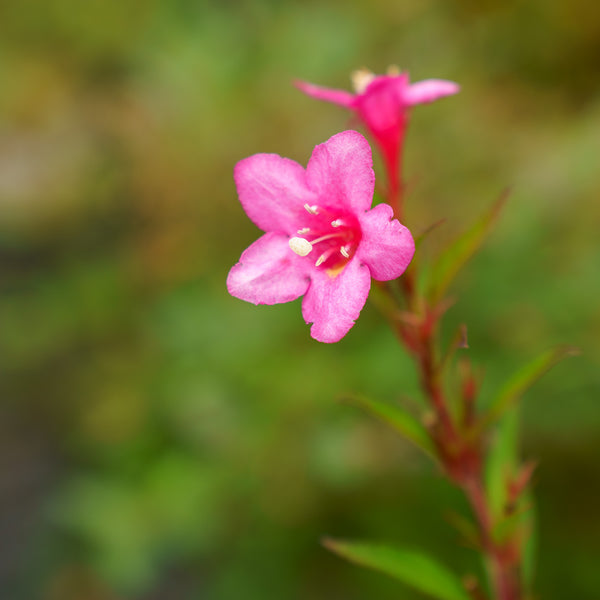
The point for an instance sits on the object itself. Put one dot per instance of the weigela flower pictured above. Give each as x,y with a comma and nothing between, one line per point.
382,103
323,240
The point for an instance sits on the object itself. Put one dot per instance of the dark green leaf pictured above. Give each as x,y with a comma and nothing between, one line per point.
413,568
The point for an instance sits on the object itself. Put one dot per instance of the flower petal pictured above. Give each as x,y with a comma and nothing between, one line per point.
387,247
429,90
381,106
272,191
332,304
340,171
340,97
268,272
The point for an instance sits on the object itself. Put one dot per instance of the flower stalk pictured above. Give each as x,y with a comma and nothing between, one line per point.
324,241
461,454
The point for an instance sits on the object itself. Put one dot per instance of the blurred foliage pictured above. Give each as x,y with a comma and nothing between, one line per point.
163,440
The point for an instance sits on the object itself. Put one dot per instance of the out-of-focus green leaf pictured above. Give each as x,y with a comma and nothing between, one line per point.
413,568
400,420
460,339
502,464
522,380
530,546
447,266
501,461
419,238
466,527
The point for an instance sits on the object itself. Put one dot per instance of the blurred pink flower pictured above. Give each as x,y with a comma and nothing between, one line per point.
323,240
382,103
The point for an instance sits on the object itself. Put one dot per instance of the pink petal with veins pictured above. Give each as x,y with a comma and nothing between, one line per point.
387,246
340,172
268,272
272,191
332,304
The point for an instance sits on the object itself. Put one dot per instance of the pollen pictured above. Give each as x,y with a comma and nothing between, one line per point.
361,79
300,246
313,210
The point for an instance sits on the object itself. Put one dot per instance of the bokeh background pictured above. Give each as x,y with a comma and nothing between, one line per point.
160,439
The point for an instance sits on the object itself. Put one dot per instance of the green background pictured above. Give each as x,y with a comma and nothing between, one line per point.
160,439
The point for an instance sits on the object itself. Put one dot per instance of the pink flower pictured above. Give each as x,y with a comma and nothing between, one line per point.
382,102
323,240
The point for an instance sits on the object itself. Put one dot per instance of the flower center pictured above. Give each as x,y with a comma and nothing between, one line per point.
333,237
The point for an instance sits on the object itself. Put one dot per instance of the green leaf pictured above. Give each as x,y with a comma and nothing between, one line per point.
449,263
522,380
460,339
413,568
400,420
419,238
530,547
467,529
501,462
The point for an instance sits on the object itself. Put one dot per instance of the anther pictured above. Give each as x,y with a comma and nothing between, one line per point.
361,80
300,246
344,252
336,223
303,231
313,210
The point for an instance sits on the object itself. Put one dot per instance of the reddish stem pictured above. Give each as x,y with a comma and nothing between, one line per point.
503,574
463,459
461,453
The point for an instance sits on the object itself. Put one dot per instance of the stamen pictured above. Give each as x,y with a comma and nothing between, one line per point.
393,70
336,223
324,257
300,246
313,210
328,237
303,230
361,79
344,252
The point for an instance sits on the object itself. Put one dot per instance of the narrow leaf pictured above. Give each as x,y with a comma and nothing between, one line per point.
530,548
413,568
419,238
501,461
460,339
400,420
522,380
466,528
461,250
